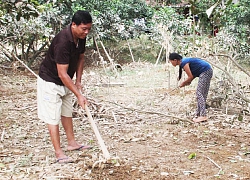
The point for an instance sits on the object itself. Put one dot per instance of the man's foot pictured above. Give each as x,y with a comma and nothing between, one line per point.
200,119
64,160
80,148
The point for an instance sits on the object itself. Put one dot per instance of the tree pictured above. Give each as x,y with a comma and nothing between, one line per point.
26,28
236,23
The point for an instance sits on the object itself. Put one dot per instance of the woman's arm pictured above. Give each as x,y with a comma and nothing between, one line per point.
189,74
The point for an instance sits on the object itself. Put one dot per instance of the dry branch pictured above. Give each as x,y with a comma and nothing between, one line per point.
231,80
5,67
109,58
159,55
13,55
151,112
233,60
131,52
111,84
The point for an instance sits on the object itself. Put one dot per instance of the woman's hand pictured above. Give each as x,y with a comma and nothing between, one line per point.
189,74
185,83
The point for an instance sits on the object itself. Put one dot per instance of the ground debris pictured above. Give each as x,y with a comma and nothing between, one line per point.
135,125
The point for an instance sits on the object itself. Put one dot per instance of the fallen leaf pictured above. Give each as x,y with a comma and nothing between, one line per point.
2,165
192,156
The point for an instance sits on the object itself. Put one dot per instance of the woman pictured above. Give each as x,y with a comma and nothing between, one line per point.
195,67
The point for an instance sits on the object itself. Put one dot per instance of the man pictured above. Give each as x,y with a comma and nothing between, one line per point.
64,58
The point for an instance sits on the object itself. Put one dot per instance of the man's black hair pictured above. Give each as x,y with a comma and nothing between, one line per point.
81,16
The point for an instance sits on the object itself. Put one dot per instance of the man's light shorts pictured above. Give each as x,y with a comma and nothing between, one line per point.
53,101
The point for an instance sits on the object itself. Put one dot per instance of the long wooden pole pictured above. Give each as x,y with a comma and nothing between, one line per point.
97,134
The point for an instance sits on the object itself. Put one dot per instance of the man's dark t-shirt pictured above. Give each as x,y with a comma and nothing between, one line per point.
62,50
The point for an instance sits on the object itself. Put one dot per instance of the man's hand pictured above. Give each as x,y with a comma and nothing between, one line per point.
79,86
82,101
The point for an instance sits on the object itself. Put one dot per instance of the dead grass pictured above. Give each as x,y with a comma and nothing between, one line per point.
137,124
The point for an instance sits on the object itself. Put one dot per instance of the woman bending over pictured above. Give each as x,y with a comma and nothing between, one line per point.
195,67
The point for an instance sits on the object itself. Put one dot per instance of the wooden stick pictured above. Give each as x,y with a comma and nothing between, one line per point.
151,112
214,163
107,54
2,136
97,134
13,55
131,52
159,55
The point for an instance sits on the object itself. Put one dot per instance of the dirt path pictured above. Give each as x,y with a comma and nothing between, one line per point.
137,125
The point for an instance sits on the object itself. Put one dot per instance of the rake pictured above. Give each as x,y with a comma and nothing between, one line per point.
106,156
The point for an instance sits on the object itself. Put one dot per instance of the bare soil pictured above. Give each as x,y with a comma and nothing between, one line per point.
144,121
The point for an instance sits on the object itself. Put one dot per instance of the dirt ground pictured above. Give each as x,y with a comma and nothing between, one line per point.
144,122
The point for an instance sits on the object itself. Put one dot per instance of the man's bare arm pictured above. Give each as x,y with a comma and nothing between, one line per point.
68,82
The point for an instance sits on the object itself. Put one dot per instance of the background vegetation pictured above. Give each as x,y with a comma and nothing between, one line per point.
26,27
127,31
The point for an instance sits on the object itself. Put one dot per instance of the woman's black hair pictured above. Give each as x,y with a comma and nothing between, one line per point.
177,56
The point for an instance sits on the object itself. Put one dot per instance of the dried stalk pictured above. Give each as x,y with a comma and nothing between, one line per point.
215,165
131,52
159,55
151,112
109,58
233,60
100,56
231,80
2,136
13,55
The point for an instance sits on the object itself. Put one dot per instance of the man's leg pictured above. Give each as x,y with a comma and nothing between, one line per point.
49,110
68,127
55,138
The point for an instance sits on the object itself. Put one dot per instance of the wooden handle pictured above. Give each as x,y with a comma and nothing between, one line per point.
97,134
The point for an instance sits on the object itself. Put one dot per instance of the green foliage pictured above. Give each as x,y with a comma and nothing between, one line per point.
175,22
238,18
27,26
27,37
236,23
21,9
143,49
115,19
